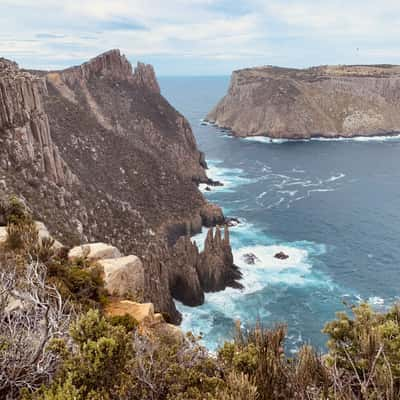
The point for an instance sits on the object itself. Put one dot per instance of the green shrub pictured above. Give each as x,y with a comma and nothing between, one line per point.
127,321
96,366
83,284
365,350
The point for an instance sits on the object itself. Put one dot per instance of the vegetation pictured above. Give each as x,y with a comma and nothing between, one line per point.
56,344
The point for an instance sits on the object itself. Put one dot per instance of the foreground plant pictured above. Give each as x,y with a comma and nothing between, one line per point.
32,315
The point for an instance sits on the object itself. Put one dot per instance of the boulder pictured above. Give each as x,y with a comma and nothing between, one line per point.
281,256
124,276
94,251
141,312
151,324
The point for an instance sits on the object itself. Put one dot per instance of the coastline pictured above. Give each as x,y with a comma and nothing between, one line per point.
374,136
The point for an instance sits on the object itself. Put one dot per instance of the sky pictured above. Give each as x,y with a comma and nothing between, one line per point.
201,37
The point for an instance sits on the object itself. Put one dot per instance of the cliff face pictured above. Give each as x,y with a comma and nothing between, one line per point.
99,155
26,143
320,101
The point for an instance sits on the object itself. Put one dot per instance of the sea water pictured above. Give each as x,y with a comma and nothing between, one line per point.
333,206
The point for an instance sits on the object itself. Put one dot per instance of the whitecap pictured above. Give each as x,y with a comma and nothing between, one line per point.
376,301
335,178
230,177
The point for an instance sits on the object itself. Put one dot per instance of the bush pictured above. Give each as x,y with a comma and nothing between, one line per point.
365,352
95,367
82,284
127,321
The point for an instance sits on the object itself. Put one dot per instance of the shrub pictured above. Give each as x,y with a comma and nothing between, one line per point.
127,321
95,368
82,284
365,352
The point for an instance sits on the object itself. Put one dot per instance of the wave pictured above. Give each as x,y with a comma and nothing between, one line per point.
335,178
214,320
230,177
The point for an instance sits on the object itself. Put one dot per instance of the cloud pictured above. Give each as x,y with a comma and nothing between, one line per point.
200,35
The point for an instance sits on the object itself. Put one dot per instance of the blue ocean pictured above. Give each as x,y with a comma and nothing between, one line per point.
333,206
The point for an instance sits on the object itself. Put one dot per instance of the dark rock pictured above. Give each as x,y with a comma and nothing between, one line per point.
281,256
211,182
202,160
212,215
208,189
216,268
250,258
184,279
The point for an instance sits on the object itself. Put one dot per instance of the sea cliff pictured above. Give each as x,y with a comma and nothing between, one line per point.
99,155
327,101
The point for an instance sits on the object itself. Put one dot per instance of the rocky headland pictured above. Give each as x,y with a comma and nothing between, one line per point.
97,153
325,101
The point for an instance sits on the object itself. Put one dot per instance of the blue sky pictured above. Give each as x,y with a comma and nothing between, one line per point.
201,37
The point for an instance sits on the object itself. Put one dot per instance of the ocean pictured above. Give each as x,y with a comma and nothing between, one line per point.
333,206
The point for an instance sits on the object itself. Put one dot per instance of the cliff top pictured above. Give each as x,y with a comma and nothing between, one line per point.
112,64
323,71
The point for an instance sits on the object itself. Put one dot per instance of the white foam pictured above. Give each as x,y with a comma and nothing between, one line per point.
376,138
376,301
335,178
261,195
230,177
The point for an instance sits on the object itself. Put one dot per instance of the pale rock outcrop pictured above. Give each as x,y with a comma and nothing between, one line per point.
150,323
329,101
124,276
141,312
94,251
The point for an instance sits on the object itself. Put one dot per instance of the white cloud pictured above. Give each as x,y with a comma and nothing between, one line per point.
292,32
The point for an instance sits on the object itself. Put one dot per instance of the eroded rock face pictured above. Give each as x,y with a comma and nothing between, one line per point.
324,101
184,279
25,139
216,268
